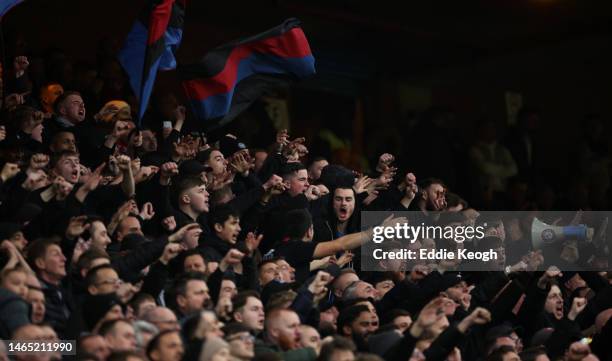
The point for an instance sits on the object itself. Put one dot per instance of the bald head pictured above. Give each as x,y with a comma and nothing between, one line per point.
283,328
343,281
28,332
162,317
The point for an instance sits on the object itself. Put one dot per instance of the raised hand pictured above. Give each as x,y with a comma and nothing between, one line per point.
233,258
318,285
92,182
80,248
429,315
169,223
76,227
345,258
171,251
411,186
20,64
179,235
384,161
252,242
385,179
124,163
168,170
295,150
282,138
12,101
62,188
222,180
362,184
578,305
272,182
551,273
479,316
240,164
38,161
147,212
192,237
9,170
312,193
145,173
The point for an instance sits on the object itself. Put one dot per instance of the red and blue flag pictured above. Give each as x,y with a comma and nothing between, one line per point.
231,77
151,46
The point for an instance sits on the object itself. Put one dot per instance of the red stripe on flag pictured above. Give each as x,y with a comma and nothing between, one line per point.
292,44
158,21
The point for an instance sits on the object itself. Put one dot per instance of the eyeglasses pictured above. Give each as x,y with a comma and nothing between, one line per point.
110,282
243,338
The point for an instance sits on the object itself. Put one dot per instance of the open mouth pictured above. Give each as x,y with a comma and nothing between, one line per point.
343,212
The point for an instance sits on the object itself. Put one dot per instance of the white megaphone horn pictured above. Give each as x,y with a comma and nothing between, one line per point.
545,234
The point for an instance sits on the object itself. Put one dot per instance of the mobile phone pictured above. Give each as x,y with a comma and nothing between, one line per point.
586,340
167,124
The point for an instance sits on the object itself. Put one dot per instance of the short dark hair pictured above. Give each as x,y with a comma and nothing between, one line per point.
220,214
316,159
291,169
219,194
354,301
240,300
393,314
180,285
188,253
92,275
154,343
233,328
22,114
38,249
88,256
453,200
56,157
532,353
429,181
108,326
139,299
338,343
350,314
297,222
498,354
62,98
184,184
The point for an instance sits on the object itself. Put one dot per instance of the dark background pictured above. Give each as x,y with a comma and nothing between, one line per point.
380,64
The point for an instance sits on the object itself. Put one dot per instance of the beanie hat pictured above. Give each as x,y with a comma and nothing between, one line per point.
230,145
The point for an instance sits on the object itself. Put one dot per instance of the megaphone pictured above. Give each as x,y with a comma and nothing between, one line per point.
545,234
